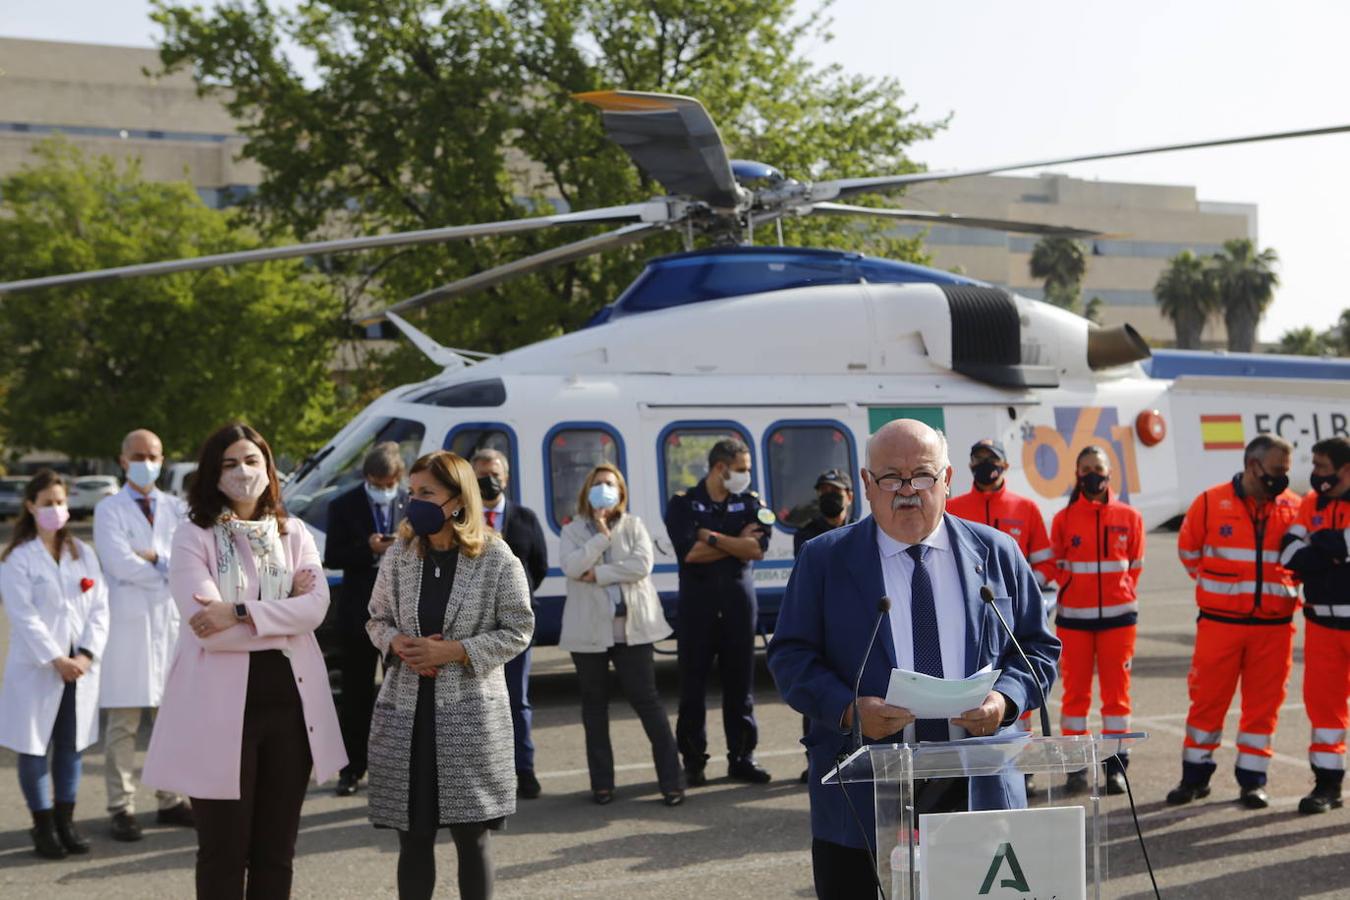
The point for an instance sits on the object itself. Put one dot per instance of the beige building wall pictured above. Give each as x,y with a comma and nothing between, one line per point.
1142,226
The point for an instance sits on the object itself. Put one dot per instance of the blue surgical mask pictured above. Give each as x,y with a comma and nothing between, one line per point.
425,517
143,473
379,495
603,496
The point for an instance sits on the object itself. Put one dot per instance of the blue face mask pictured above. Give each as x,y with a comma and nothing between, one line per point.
142,473
603,496
381,496
425,517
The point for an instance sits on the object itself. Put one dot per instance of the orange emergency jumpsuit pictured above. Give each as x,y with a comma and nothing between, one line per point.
1099,552
1315,549
1230,545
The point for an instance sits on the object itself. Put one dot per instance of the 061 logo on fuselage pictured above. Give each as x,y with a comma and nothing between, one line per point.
1049,453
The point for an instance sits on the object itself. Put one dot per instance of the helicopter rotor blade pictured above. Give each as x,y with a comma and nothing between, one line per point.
936,218
656,211
622,237
673,140
844,187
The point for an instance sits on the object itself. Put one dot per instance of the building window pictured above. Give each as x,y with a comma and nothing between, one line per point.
571,452
466,440
795,454
684,453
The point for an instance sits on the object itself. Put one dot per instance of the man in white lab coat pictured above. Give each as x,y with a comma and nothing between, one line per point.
133,533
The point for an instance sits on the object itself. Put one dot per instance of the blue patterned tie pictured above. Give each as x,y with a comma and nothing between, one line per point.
927,645
379,519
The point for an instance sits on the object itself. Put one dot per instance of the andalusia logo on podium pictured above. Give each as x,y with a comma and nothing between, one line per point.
1027,854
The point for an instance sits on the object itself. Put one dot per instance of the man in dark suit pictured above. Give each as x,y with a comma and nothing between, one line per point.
932,566
520,528
361,525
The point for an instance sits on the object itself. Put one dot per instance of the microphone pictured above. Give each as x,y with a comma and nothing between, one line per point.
987,596
883,607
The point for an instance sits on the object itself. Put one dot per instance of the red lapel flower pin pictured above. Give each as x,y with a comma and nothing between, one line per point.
86,584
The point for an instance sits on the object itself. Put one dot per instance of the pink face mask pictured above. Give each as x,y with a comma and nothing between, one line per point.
243,483
52,518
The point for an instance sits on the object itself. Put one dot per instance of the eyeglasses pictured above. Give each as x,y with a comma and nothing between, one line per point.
892,483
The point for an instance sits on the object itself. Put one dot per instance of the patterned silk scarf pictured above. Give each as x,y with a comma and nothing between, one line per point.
269,556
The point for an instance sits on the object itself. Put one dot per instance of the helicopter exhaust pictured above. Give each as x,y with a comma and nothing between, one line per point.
1118,346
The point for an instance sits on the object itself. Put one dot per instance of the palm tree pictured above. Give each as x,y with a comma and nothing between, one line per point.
1187,295
1246,281
1304,342
1062,265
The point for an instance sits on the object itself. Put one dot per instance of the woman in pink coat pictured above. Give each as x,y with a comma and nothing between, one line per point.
247,713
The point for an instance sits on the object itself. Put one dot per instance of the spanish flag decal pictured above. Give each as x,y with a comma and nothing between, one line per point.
1222,432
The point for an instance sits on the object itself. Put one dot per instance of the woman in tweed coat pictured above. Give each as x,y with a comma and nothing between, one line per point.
450,607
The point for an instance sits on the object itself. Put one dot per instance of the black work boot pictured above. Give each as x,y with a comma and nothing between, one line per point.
66,832
1325,796
1186,792
45,841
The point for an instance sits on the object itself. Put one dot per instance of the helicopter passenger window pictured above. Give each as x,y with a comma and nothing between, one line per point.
309,498
684,455
572,453
796,455
465,440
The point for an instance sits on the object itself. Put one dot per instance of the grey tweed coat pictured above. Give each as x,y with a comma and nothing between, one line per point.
489,612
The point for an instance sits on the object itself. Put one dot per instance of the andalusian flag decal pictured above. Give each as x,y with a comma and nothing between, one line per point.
1222,432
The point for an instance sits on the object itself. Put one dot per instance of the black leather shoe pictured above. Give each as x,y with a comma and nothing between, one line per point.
45,841
602,797
1115,783
1076,784
125,827
179,814
746,769
696,777
66,832
527,786
1186,792
1324,798
674,798
1254,798
346,785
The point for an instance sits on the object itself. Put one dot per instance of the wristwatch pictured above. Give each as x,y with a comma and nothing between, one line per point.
240,611
712,539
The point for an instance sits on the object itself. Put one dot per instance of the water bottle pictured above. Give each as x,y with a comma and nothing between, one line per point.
900,869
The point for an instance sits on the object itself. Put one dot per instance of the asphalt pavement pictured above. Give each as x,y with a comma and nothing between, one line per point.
731,840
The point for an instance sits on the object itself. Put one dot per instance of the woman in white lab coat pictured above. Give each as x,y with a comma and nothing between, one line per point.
57,603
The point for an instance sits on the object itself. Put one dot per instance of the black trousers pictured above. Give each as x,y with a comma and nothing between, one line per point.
637,677
256,833
842,873
358,664
717,621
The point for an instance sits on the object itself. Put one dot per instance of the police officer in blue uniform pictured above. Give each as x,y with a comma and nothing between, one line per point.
718,529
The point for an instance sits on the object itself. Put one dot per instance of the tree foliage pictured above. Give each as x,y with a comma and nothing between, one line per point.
1308,341
424,114
179,354
1246,282
1061,263
1187,295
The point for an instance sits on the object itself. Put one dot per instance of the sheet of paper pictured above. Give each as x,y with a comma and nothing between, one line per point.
939,698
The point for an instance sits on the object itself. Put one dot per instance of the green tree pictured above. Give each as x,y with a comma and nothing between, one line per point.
179,354
1186,294
427,114
1246,282
1303,341
1061,264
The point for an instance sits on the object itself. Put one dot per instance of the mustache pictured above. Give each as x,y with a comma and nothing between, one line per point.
900,501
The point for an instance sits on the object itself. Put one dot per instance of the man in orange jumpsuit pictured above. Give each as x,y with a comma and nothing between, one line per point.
1315,549
1230,544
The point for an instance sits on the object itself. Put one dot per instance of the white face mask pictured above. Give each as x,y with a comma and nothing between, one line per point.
143,473
381,495
737,482
243,483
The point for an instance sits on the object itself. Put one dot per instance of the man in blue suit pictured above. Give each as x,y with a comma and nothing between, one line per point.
931,566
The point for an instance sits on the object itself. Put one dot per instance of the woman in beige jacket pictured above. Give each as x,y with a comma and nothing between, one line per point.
612,614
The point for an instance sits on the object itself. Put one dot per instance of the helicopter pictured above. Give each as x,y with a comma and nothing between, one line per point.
843,343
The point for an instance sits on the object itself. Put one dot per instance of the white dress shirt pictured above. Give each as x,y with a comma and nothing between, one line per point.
897,572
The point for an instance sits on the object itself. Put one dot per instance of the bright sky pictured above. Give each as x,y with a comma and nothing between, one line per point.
1058,77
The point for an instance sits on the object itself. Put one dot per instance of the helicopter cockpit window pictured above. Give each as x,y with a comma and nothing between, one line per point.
684,456
676,282
489,392
797,454
465,440
341,470
572,453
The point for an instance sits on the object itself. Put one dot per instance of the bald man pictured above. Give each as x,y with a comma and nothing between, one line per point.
932,566
133,531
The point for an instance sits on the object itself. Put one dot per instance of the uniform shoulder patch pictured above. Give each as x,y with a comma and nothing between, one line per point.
766,516
679,493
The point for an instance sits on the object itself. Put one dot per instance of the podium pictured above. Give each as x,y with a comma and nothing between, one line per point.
1057,846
